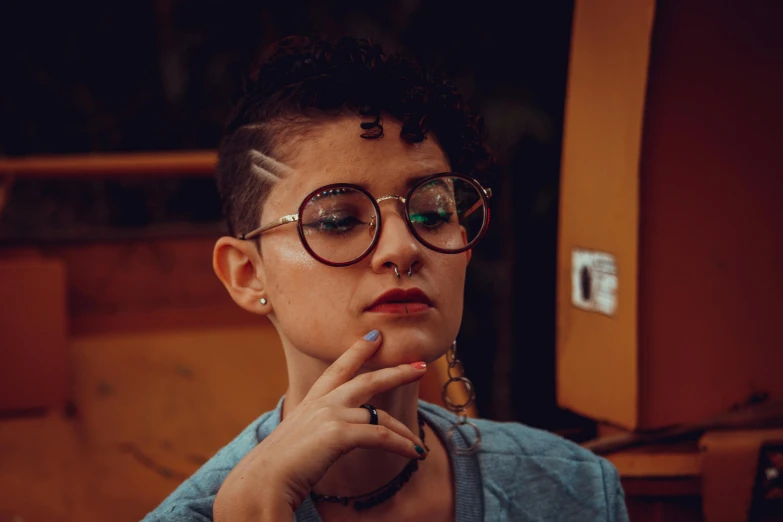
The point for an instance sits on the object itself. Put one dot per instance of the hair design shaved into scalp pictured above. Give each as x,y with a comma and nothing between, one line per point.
267,168
305,81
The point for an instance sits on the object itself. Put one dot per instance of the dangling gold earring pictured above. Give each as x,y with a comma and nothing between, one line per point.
456,375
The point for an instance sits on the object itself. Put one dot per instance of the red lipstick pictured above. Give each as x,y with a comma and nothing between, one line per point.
398,301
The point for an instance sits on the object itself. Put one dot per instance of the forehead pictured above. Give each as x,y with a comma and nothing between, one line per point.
335,152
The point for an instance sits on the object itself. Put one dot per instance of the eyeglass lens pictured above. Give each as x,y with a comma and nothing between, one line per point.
339,224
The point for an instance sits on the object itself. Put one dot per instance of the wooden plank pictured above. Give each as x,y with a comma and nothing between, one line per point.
664,501
597,360
33,334
154,164
656,465
662,490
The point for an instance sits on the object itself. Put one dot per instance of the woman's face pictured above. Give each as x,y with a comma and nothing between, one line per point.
322,310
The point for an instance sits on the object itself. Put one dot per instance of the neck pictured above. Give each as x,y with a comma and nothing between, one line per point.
360,470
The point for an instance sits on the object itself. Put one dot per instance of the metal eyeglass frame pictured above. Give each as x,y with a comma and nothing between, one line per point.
485,194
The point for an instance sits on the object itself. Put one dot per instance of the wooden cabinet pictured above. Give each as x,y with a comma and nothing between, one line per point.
672,164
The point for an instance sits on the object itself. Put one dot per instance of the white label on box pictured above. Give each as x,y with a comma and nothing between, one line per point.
594,281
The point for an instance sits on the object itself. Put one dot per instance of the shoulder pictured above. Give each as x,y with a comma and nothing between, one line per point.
517,440
192,500
514,439
527,471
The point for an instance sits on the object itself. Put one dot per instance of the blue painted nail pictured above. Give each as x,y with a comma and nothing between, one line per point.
419,450
373,335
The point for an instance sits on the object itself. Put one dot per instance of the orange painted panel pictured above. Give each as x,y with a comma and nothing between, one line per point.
597,360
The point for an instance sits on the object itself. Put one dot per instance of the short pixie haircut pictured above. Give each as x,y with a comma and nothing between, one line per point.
304,81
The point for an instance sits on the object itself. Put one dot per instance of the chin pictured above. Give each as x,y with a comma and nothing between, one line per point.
405,347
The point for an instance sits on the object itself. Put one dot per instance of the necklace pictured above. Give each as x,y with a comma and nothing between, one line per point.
385,492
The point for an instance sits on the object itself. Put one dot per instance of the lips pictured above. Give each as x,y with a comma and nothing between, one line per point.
399,301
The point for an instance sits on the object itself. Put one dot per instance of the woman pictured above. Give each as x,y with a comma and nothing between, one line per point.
350,182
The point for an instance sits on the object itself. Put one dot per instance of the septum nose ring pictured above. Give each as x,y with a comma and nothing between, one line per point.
397,271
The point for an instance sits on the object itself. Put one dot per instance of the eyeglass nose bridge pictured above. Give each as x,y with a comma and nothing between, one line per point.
386,198
381,199
373,222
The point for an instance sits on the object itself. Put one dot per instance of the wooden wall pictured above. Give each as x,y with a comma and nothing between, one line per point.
672,164
711,228
597,361
160,369
132,367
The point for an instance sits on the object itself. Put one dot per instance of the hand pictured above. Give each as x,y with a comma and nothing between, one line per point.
273,479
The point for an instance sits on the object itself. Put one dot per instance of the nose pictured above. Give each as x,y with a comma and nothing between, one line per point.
396,245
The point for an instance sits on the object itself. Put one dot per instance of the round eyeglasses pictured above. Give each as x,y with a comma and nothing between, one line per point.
340,224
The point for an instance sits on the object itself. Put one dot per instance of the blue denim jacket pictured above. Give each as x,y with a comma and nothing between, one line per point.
518,474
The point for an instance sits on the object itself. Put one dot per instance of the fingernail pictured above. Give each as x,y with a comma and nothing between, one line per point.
419,365
419,450
372,336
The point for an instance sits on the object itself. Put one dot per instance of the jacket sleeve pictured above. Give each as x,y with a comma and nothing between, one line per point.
615,497
190,502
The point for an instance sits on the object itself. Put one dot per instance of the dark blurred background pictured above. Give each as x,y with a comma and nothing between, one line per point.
158,76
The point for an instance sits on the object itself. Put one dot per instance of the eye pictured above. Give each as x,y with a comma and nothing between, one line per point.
431,219
335,223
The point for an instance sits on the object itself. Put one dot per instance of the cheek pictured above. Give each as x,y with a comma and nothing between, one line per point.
290,271
310,300
303,285
449,275
285,251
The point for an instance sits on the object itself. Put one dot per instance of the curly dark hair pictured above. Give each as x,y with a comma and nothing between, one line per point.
306,80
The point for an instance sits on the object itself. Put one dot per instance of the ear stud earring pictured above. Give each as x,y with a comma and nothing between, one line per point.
263,301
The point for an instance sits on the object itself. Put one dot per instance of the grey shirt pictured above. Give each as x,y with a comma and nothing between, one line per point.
518,474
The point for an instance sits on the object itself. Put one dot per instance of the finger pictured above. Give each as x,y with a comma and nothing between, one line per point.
360,389
346,366
361,416
367,436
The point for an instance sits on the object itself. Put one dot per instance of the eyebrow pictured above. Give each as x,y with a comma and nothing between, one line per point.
409,182
412,181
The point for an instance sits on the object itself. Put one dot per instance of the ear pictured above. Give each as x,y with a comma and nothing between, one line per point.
238,265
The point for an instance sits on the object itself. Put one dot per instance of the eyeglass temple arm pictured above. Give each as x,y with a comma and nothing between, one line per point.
477,204
290,218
